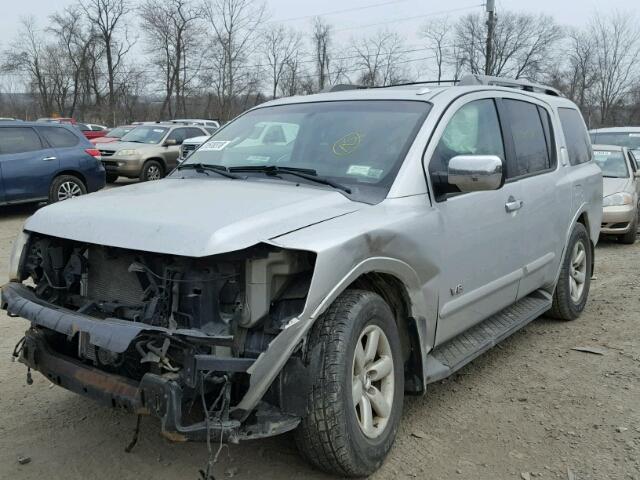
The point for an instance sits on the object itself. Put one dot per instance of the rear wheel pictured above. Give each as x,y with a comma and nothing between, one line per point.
152,170
355,403
65,187
572,290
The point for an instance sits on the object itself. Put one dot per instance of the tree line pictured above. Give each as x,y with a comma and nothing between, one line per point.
114,61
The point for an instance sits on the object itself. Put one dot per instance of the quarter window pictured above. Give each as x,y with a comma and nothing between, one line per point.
529,139
575,135
59,137
19,140
473,130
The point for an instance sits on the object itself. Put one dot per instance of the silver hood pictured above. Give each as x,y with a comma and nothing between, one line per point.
615,185
190,217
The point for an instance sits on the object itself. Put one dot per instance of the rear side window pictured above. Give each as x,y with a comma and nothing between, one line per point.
194,132
59,137
529,138
473,130
19,140
575,134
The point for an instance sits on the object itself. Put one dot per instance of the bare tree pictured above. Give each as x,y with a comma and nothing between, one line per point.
28,53
76,41
280,47
521,47
171,30
321,46
575,71
108,17
380,57
617,51
234,24
436,33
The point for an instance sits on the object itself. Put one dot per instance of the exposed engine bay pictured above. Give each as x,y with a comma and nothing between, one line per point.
178,333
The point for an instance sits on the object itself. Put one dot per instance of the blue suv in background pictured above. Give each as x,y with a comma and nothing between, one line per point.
46,162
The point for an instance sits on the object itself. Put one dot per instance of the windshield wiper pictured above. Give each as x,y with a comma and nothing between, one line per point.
306,173
219,169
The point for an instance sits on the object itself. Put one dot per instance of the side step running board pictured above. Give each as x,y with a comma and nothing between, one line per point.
460,350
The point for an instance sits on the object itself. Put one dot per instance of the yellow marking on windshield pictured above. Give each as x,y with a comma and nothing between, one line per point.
347,144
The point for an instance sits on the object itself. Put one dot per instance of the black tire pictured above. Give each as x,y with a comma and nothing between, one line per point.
112,177
329,436
70,184
564,307
149,170
629,238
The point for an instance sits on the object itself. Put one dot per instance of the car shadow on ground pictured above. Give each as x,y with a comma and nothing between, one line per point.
22,210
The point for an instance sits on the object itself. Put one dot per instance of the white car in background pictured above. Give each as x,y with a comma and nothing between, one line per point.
628,137
263,133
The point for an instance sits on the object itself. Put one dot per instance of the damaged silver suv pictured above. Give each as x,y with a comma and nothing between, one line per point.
371,242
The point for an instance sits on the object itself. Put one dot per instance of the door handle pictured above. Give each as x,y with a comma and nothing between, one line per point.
48,159
512,205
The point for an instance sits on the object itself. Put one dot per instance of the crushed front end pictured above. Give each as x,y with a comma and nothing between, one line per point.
162,335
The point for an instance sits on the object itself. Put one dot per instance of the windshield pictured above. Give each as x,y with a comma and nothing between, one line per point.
611,163
357,143
620,139
118,132
146,134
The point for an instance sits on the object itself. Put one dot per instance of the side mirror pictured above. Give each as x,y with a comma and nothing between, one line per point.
170,142
636,174
472,173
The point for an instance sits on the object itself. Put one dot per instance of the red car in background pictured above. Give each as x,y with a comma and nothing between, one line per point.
66,120
114,134
90,133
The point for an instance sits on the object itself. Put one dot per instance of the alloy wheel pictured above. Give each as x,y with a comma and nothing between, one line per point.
578,270
68,190
372,381
153,173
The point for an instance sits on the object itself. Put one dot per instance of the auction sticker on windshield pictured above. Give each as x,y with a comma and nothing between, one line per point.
364,171
215,145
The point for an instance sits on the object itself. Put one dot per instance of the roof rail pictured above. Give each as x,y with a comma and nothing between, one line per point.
508,82
339,87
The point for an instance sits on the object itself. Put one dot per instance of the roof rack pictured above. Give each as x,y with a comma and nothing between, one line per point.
343,86
508,82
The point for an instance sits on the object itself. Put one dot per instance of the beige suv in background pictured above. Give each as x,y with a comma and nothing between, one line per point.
147,152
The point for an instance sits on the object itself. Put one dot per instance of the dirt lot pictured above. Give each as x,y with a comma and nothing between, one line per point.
530,408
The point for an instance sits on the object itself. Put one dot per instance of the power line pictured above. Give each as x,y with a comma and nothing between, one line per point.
413,17
337,12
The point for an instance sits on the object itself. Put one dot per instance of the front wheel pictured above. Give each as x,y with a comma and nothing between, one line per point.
152,170
572,290
65,187
355,403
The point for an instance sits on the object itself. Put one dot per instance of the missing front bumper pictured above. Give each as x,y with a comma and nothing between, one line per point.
153,395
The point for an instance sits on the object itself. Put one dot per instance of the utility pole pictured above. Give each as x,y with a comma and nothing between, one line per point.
491,23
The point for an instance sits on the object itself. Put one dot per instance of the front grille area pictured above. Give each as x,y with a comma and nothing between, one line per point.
110,278
107,153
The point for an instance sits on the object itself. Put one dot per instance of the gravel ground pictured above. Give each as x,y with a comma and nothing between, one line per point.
530,408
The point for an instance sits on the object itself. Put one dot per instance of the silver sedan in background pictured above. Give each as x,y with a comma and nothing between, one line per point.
620,191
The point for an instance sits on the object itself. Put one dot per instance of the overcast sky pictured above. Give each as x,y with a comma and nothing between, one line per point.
365,16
